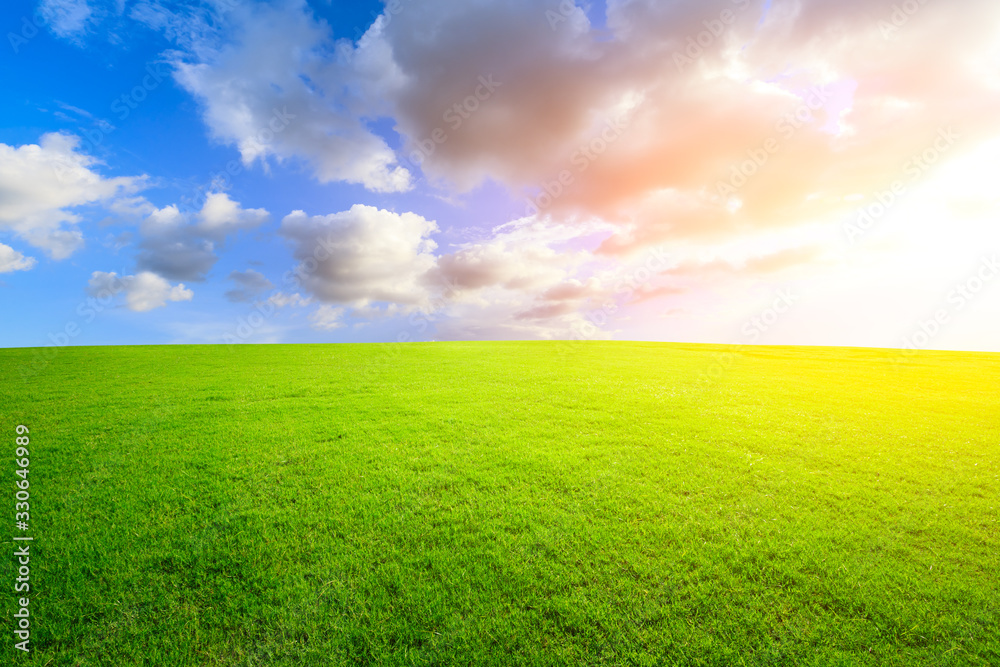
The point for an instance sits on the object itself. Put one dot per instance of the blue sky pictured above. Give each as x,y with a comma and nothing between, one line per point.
723,172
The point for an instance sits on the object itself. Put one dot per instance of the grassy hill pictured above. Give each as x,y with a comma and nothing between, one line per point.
507,503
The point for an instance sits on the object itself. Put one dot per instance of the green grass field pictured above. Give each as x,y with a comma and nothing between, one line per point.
507,503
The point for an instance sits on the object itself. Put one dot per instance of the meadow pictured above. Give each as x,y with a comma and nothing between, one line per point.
542,503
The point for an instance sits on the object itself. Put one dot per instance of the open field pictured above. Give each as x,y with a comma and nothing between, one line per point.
508,503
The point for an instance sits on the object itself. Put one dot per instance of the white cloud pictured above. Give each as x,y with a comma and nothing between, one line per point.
12,260
143,292
272,87
42,184
66,18
220,216
363,255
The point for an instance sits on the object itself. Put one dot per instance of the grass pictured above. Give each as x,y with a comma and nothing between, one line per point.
508,503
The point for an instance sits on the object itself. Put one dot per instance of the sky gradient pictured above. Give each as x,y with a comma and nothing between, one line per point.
738,171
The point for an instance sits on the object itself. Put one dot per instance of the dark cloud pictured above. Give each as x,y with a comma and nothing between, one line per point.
183,246
251,285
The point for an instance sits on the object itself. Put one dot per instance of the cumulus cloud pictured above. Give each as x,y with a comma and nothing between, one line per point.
12,260
654,128
251,284
525,279
220,216
42,185
143,292
362,255
182,245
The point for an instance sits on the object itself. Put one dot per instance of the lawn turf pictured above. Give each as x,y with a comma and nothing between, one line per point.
541,503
